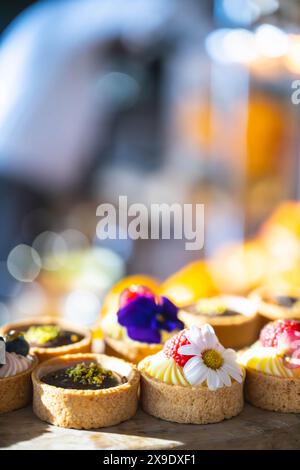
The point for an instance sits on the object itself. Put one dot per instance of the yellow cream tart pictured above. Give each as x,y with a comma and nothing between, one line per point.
273,367
194,379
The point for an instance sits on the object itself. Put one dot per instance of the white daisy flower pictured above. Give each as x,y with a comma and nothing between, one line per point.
210,361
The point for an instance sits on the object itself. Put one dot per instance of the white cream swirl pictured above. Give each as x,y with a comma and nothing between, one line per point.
15,364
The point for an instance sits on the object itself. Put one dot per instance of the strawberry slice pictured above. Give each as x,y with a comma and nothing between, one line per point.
173,344
132,292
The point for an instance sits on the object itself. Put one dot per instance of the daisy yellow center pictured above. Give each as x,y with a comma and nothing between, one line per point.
212,359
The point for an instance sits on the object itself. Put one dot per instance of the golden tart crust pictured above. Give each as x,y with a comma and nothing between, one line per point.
269,310
44,354
233,331
272,393
85,409
188,404
16,391
132,351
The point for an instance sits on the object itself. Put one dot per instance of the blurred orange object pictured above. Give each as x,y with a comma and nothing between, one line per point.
237,268
280,235
189,284
287,215
111,300
266,129
284,279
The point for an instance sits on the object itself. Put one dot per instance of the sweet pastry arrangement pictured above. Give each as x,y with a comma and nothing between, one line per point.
188,376
16,366
49,337
273,367
189,350
141,324
194,379
189,365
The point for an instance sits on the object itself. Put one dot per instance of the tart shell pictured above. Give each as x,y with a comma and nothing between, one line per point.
269,311
131,351
16,391
187,404
234,332
272,393
43,354
85,409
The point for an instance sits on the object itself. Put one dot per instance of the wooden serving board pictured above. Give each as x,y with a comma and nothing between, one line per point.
252,429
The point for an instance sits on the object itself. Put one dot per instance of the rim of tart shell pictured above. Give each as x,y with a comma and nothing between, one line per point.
66,326
238,319
114,364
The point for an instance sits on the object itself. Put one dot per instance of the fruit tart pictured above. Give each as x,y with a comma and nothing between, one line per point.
141,325
16,366
234,319
194,379
50,338
273,367
277,302
85,391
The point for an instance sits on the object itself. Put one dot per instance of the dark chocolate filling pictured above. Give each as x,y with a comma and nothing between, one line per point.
64,338
59,378
287,301
226,313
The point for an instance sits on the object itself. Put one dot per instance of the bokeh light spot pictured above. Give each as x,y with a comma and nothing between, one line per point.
24,263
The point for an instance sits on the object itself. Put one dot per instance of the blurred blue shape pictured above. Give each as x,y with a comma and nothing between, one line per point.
49,119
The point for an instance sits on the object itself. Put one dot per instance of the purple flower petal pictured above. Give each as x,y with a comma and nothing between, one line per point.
139,312
164,324
144,318
167,308
173,325
144,335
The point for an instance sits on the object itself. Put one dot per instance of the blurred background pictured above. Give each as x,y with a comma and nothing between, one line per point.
184,101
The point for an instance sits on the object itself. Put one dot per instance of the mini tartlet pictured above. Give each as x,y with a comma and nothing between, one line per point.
75,399
274,303
273,368
234,319
141,325
50,337
194,379
16,366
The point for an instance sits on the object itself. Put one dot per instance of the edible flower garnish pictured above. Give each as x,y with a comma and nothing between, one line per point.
210,361
145,316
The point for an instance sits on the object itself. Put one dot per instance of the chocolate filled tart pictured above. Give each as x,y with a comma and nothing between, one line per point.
277,302
50,337
234,319
225,312
65,379
113,401
60,337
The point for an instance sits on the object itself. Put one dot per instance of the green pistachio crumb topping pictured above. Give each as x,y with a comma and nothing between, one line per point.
92,373
42,334
208,306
